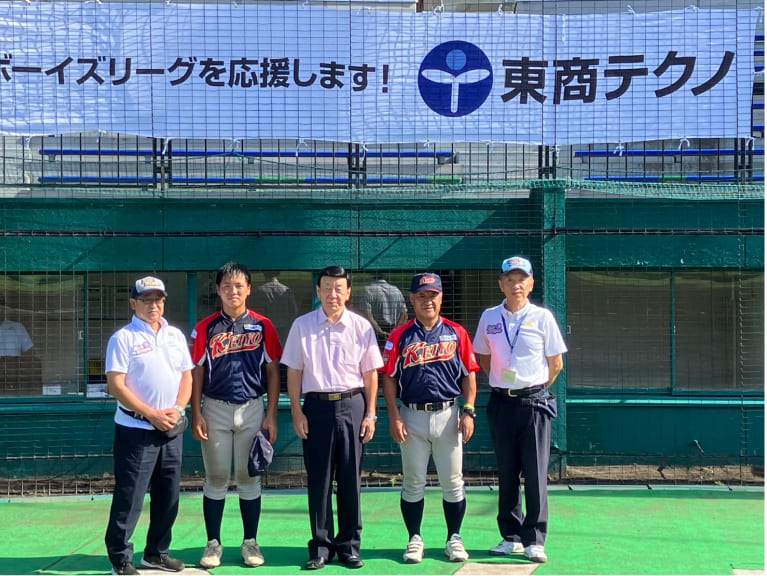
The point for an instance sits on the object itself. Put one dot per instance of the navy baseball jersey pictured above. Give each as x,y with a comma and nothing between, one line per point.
235,354
429,364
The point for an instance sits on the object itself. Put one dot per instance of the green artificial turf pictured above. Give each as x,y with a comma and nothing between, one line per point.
637,531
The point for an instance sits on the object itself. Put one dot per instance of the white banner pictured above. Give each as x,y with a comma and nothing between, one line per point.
277,72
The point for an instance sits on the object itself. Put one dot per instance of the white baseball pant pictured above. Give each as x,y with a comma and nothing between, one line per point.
436,434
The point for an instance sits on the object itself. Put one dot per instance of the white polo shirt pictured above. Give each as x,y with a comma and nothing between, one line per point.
539,338
333,357
14,339
152,363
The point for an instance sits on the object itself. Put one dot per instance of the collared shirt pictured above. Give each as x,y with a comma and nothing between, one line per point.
429,364
384,301
152,362
539,338
276,301
235,353
333,357
14,339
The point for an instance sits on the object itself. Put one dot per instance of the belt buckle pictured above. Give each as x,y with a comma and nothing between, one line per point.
432,406
334,396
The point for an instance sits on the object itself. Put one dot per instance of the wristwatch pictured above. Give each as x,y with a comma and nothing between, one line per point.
470,412
181,411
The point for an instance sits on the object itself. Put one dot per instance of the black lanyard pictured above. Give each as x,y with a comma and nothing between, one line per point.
512,343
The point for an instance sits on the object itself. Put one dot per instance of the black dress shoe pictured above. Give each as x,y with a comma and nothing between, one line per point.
315,564
353,562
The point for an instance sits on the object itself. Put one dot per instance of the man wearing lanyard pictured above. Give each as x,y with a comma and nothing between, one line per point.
519,345
332,357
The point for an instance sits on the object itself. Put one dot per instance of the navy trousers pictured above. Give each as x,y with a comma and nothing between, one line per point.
143,460
521,439
333,451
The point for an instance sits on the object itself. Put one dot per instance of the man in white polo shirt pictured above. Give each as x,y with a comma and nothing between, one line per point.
519,345
14,338
19,369
149,372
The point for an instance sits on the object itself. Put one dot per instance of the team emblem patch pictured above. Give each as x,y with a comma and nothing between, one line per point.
142,348
150,282
251,327
494,328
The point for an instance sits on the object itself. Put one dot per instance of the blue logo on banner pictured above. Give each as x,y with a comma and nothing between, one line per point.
455,78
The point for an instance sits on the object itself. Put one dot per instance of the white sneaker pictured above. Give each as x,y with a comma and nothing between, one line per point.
454,549
507,547
211,558
414,552
251,553
535,553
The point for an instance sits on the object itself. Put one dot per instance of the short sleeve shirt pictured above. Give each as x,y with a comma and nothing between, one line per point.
235,353
384,301
14,339
333,357
429,364
539,338
277,302
153,363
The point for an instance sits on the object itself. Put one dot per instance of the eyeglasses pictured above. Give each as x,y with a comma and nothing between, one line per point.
151,301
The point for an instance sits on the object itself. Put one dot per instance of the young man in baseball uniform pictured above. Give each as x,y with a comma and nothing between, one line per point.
237,353
428,363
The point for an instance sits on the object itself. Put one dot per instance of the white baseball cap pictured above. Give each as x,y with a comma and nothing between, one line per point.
146,285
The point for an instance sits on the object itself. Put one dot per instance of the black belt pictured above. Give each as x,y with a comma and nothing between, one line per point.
334,396
231,402
519,393
132,414
432,406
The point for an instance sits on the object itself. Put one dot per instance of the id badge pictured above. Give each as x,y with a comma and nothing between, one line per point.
509,376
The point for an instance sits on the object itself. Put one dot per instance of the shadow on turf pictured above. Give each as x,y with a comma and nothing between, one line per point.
292,558
74,563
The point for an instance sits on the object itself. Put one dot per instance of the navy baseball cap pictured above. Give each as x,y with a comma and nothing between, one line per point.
426,281
517,263
146,285
261,454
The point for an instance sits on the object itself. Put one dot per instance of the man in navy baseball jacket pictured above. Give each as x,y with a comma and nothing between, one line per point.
428,363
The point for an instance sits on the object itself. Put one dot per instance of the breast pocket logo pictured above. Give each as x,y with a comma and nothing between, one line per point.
455,78
494,328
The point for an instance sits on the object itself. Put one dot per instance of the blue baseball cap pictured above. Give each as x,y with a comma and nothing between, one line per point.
261,454
517,263
425,281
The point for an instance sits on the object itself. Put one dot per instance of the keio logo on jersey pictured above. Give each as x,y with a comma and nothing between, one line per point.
228,343
455,78
422,353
